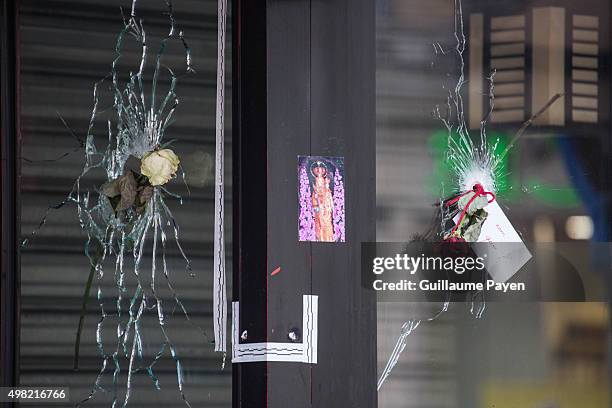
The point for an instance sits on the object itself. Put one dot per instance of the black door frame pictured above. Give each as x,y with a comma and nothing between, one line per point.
304,68
10,151
303,84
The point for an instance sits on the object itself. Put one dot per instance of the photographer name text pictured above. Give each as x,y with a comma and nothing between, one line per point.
446,285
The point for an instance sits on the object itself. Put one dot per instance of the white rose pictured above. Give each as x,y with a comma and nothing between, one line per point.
159,166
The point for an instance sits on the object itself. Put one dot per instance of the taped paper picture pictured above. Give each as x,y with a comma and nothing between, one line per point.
321,199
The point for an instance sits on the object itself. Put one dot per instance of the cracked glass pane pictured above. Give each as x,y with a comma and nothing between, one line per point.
455,111
117,201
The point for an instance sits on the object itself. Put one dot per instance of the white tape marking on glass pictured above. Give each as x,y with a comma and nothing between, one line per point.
304,352
219,289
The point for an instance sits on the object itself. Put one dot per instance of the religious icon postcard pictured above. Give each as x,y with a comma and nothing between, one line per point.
321,199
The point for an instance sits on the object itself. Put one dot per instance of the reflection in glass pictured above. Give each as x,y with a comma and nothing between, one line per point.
505,358
65,49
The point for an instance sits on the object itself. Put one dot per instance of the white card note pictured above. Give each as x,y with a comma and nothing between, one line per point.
501,261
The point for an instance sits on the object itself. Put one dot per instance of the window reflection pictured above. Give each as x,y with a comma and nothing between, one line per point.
65,48
554,190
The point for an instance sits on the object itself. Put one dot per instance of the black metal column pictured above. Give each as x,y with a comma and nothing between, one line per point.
304,84
9,150
343,115
249,190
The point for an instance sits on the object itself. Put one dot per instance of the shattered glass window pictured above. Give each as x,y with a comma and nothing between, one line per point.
511,95
117,201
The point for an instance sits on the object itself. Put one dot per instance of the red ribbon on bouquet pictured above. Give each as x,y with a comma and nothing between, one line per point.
478,191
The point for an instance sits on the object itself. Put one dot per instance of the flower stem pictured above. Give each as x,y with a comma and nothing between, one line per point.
86,294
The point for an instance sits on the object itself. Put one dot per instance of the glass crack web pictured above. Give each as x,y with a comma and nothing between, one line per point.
136,124
470,163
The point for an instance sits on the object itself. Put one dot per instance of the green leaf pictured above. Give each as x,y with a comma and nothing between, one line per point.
111,189
471,231
478,203
127,186
86,295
